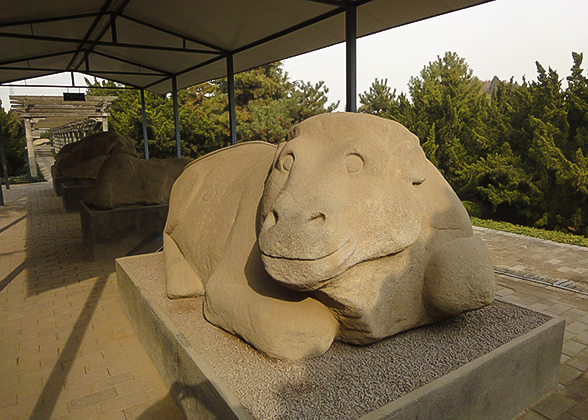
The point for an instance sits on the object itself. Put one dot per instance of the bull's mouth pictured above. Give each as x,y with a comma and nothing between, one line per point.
309,273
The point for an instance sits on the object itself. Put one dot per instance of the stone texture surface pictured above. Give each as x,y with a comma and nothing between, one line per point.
361,236
72,196
127,180
84,158
350,381
109,234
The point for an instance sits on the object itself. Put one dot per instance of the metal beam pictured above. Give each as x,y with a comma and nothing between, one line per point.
131,63
38,57
18,79
48,20
121,73
337,3
176,116
105,28
90,30
189,69
231,88
145,141
351,58
66,86
113,28
167,31
300,25
114,43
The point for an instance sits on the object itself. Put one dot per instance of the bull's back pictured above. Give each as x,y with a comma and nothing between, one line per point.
209,196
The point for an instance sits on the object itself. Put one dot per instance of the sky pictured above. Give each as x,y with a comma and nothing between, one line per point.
502,38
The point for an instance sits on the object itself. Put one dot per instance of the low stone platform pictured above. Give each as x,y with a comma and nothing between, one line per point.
58,180
72,195
109,234
485,364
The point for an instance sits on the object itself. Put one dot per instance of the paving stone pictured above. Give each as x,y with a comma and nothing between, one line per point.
582,338
579,361
567,416
576,327
123,402
94,398
578,389
580,411
554,406
572,347
567,374
531,415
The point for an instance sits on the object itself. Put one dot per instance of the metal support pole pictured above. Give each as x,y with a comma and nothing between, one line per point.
4,165
145,142
231,87
351,58
104,123
4,168
30,147
176,115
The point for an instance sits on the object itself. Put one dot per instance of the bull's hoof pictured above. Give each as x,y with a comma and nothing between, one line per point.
182,281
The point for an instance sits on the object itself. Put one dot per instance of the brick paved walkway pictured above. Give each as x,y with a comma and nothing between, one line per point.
68,351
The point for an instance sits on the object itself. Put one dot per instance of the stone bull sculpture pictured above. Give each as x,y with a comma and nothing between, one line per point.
343,232
127,180
84,158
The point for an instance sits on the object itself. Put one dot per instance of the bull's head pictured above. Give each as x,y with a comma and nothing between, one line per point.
342,190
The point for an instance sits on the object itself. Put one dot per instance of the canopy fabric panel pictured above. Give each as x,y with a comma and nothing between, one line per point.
144,43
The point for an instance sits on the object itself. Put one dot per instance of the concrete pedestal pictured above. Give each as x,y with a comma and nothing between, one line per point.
488,364
109,234
58,181
72,195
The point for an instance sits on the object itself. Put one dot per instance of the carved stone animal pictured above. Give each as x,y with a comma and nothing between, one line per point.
354,235
84,158
126,180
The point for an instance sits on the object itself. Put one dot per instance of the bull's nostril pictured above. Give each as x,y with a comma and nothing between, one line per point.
275,214
318,217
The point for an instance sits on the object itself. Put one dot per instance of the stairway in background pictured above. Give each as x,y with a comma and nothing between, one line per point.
44,159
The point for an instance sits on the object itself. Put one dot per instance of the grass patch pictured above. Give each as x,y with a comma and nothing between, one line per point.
564,238
23,176
23,179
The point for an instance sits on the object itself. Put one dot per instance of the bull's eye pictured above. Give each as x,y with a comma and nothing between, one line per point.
287,162
354,163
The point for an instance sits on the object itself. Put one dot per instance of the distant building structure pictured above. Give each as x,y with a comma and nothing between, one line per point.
69,121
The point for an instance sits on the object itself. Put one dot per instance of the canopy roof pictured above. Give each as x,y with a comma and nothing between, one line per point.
144,43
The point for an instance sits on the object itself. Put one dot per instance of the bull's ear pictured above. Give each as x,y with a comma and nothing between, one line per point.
414,163
278,151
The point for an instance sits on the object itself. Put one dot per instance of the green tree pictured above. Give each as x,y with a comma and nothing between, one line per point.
14,143
268,103
537,174
577,107
521,151
447,114
378,100
126,118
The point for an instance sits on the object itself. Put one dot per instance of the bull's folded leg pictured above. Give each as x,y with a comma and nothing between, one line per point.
459,277
277,321
182,281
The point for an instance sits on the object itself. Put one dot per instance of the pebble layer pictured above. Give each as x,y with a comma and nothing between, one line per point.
348,381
